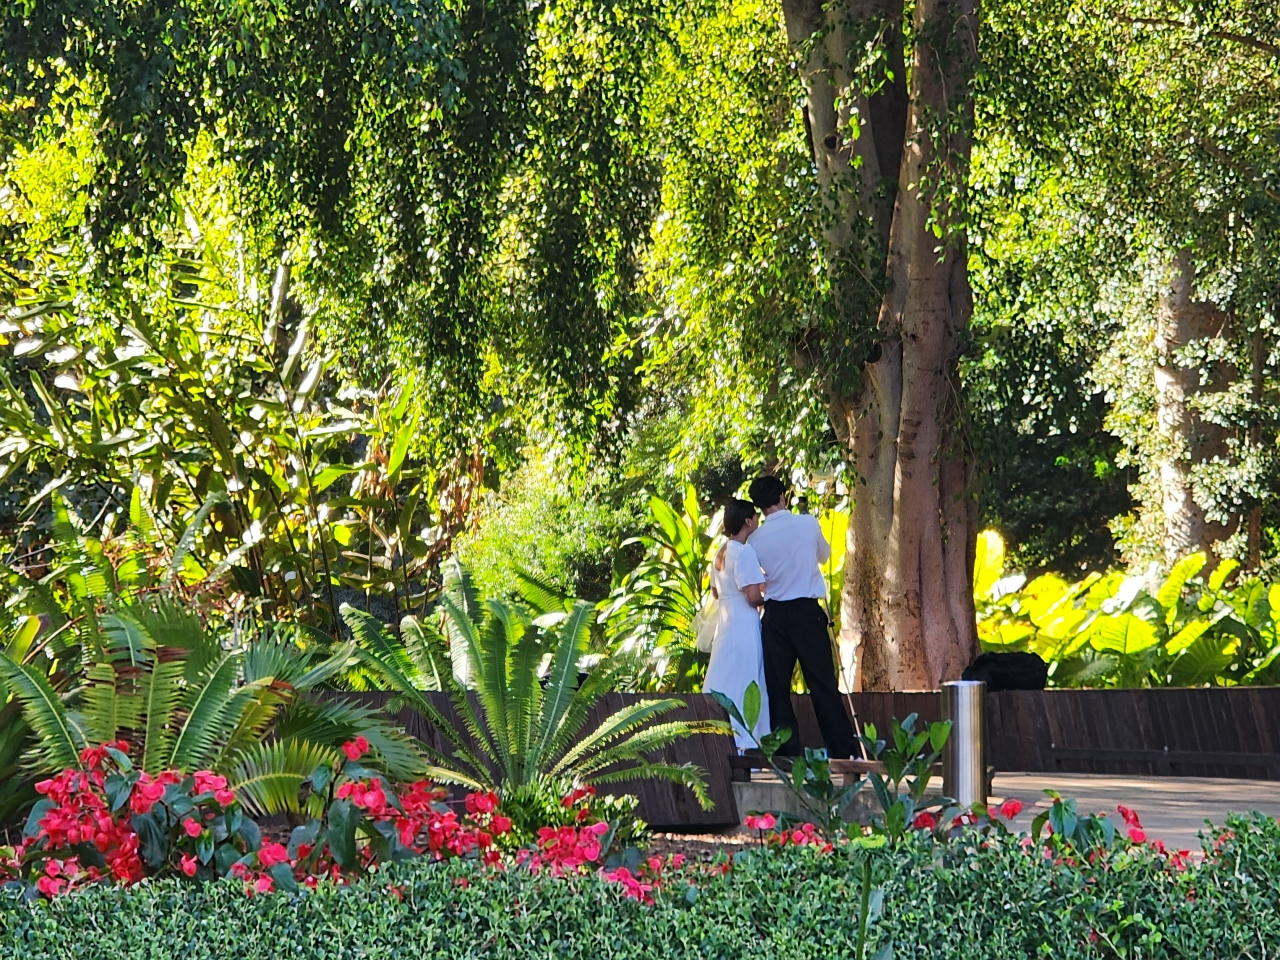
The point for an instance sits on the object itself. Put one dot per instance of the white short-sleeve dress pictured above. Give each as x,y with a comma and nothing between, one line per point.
736,654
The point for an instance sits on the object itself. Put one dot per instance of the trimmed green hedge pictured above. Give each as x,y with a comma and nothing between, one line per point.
973,899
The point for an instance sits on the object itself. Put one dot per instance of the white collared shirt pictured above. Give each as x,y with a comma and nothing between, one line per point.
791,550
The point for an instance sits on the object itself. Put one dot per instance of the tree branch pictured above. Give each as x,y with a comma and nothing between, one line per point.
1260,45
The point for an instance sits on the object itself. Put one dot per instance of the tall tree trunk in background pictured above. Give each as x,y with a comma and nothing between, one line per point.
1186,438
890,166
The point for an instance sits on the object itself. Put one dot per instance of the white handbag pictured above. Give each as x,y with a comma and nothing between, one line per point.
704,624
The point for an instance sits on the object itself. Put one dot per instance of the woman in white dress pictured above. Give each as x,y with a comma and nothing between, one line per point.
738,583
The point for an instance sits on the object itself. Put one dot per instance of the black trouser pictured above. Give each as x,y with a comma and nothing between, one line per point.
797,630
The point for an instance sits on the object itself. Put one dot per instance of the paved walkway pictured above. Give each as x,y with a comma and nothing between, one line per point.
1173,809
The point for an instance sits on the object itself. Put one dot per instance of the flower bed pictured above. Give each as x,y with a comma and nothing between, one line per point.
978,896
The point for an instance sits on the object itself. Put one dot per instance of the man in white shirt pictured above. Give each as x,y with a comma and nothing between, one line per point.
791,549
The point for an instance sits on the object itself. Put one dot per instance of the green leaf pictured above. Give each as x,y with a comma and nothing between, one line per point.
751,705
343,819
401,447
1126,634
1221,572
1170,591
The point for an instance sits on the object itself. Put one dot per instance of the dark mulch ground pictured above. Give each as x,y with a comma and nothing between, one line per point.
701,846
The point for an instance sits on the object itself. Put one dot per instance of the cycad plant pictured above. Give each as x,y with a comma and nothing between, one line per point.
151,675
650,615
523,709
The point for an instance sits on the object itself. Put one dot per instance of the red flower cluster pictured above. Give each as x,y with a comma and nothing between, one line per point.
805,835
1134,825
209,782
1010,808
355,749
566,849
79,814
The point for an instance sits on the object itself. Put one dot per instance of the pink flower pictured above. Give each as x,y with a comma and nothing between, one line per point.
191,828
263,885
1137,835
500,825
355,749
1130,816
271,854
49,886
224,797
188,865
481,803
1010,809
765,821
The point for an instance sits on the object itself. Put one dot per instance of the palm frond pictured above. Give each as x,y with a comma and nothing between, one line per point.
641,742
461,590
127,640
425,648
256,703
617,724
59,739
685,774
336,720
268,778
160,689
204,708
330,667
106,710
187,542
539,592
562,680
525,694
372,647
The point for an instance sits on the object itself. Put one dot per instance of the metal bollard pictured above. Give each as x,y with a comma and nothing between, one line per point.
964,759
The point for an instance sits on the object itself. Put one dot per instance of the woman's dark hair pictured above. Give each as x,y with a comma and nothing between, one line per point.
736,514
766,492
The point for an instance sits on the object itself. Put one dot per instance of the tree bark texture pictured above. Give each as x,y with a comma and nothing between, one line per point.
890,158
1185,438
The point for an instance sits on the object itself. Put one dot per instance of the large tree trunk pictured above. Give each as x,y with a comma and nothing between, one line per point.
890,166
1185,438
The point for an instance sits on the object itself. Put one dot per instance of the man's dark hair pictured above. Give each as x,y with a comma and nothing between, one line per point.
737,513
766,492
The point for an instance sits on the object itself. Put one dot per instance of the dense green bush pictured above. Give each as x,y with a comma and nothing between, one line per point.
1134,629
966,899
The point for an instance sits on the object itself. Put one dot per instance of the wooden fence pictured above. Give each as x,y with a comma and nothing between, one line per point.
1201,732
1228,732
